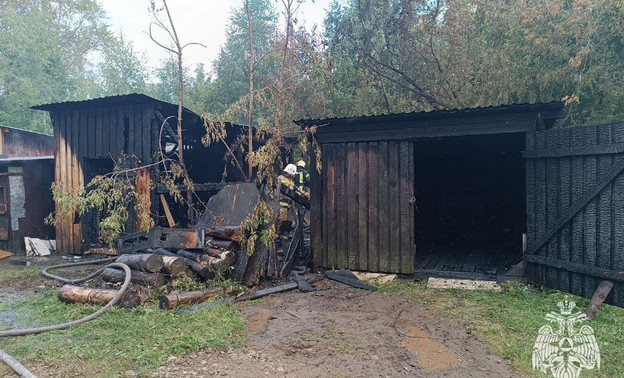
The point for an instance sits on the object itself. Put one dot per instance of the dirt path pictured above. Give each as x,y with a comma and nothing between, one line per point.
344,332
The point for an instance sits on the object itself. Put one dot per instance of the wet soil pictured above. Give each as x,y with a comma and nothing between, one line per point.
344,332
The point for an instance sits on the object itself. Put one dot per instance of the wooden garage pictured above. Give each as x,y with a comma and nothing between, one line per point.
472,190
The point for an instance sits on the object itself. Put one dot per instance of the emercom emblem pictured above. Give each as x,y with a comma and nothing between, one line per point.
564,348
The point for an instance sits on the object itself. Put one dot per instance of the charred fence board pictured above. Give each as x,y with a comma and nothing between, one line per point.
575,215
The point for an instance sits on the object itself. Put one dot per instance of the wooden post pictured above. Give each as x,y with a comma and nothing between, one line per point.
144,262
76,294
603,290
176,298
147,279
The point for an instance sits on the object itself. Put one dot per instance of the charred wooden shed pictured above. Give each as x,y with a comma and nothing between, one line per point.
26,173
453,192
90,135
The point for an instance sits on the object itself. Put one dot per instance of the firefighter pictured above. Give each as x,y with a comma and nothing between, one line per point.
286,206
302,178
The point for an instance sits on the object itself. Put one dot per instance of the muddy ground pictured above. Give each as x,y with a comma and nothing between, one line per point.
339,331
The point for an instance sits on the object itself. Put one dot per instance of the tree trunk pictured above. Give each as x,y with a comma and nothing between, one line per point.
251,89
144,262
176,298
76,294
147,279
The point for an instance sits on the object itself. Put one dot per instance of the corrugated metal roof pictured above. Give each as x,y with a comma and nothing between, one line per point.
131,98
406,117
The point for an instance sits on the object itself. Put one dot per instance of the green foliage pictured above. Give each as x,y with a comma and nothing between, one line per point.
43,56
114,195
259,227
121,69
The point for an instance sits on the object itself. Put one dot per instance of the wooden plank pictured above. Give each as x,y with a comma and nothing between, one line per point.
129,133
394,198
590,179
362,193
165,206
330,214
605,203
540,199
384,221
91,135
577,222
607,148
565,202
530,200
142,209
112,130
146,118
316,218
122,143
406,192
138,132
373,206
342,260
99,132
412,207
106,132
553,187
601,293
58,158
352,213
618,219
76,179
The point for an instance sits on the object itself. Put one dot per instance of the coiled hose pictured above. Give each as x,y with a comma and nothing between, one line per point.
20,369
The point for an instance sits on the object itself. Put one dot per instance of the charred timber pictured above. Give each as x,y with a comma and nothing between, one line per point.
197,257
203,272
144,262
76,294
224,244
224,232
176,298
147,279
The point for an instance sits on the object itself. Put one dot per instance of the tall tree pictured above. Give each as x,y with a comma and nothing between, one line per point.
44,48
121,69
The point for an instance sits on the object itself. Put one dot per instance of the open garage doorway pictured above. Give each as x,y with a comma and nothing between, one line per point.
470,204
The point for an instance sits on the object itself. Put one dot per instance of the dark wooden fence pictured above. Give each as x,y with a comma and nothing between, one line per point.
575,208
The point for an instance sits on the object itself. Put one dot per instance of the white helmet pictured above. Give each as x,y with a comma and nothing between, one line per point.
301,164
291,169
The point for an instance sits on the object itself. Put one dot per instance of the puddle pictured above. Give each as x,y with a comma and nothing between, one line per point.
432,354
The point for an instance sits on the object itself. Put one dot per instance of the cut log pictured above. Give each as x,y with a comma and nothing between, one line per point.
162,252
147,279
144,262
601,293
174,266
213,252
224,232
223,244
197,257
76,294
203,272
176,298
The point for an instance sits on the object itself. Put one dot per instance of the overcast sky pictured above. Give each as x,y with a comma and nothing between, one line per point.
203,21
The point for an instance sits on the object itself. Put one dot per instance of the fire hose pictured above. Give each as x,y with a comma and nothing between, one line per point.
20,369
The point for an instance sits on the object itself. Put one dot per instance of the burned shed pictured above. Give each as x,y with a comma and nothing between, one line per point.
26,173
470,192
90,135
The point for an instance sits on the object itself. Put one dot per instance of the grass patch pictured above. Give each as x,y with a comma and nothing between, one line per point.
9,273
138,339
509,321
